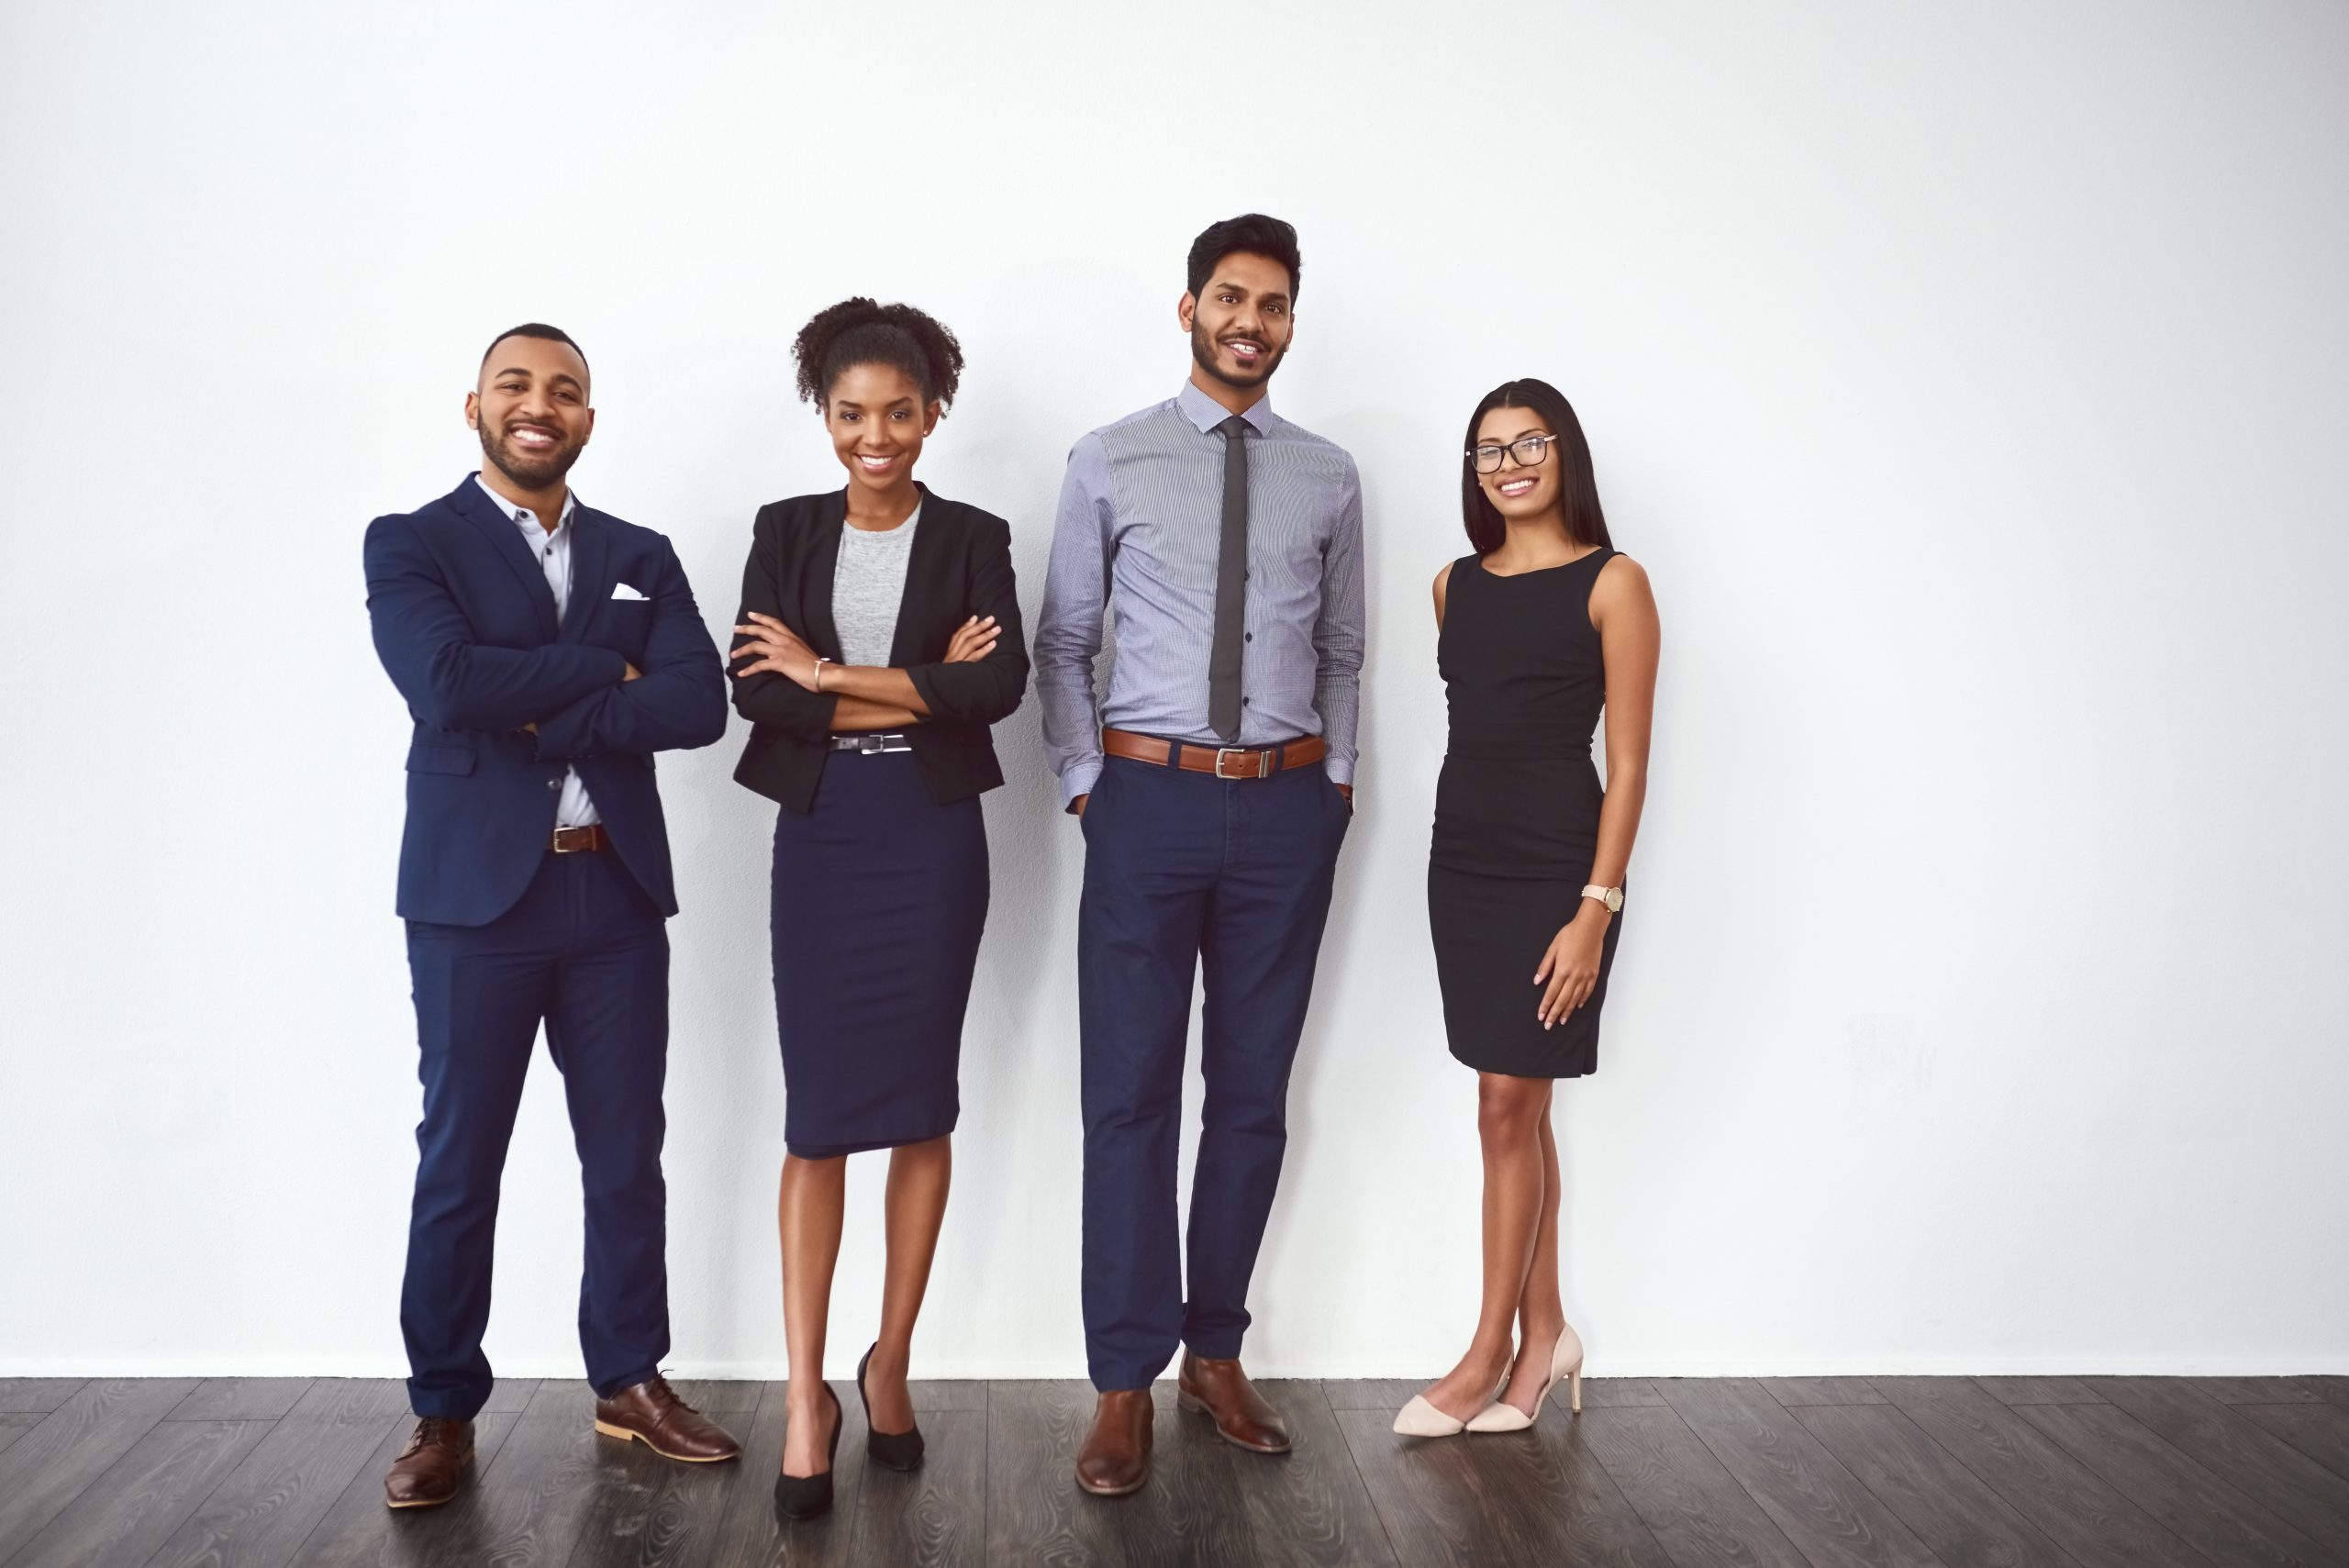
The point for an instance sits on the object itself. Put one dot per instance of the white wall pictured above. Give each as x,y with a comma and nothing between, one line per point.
1968,378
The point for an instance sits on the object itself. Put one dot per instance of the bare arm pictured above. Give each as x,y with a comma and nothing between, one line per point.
857,713
1623,611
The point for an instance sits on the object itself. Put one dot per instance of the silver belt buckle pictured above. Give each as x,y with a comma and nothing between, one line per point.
1264,763
875,745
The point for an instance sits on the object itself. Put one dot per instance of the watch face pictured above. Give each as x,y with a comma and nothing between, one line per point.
1615,899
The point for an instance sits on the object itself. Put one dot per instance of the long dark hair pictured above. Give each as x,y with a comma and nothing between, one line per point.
1577,485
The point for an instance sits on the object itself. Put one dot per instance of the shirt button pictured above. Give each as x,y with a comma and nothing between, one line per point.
1250,637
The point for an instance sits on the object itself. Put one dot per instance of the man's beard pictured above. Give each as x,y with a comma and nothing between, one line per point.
1203,350
528,473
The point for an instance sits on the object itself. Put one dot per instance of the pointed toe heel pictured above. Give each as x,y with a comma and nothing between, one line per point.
1566,1364
895,1451
806,1496
1421,1420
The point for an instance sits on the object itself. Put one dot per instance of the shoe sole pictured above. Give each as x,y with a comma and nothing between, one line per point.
1200,1407
1090,1490
625,1435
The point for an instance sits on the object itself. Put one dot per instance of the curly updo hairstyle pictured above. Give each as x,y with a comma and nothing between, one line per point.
860,332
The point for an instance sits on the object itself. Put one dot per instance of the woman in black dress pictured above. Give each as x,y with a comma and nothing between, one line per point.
880,638
1540,630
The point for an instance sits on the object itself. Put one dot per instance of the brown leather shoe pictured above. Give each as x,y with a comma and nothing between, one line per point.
1221,1389
651,1414
428,1470
1114,1459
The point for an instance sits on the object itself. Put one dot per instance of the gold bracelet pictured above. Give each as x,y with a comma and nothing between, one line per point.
820,662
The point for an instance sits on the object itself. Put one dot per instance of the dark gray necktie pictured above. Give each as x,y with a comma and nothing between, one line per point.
1230,585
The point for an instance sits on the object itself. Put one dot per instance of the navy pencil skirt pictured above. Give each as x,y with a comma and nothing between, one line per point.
880,898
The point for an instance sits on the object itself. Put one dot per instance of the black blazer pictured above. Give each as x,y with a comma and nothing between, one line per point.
961,567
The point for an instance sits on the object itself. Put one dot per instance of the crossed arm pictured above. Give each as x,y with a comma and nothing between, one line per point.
779,679
579,699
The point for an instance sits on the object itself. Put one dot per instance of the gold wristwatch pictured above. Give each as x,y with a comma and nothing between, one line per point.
1610,896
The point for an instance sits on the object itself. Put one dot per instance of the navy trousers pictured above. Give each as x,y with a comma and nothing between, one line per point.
1184,873
585,951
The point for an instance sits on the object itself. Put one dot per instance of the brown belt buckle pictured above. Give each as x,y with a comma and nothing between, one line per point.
1264,763
579,838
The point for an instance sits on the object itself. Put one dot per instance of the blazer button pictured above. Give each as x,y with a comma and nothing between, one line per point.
555,783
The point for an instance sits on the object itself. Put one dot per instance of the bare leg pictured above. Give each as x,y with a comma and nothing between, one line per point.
1540,1314
920,1174
807,1215
1509,1114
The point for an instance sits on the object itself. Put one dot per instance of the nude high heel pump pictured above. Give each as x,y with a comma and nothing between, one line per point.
1421,1420
1566,1361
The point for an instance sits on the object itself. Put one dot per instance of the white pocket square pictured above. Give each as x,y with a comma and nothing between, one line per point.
622,591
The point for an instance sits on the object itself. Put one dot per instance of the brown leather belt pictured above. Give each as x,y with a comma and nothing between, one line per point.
1223,761
571,840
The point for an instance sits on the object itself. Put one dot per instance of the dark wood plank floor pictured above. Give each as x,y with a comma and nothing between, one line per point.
1655,1472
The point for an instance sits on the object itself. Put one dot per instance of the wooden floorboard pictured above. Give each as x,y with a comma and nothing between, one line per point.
36,1396
2037,1477
2215,1517
1312,1509
1694,1508
935,1517
2041,1472
1793,1391
2263,1467
79,1439
259,1516
128,1513
1832,1519
1951,1509
2319,1430
15,1424
2255,1390
1538,1497
359,1531
2038,1390
242,1399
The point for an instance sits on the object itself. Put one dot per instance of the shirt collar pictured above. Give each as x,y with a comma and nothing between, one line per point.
525,518
1207,413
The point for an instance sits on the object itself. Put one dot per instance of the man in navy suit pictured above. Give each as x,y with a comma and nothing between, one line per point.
546,650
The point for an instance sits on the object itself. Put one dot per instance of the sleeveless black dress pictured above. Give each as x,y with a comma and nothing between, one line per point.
1516,811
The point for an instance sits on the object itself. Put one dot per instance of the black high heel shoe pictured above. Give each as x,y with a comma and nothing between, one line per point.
899,1451
805,1496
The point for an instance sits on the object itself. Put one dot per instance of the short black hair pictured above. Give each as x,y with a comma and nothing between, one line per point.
1251,232
859,331
534,329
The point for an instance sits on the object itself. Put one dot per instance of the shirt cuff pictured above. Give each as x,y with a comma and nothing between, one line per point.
1339,769
1079,780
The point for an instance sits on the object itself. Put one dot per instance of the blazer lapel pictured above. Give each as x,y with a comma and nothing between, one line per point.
591,583
927,556
823,559
506,543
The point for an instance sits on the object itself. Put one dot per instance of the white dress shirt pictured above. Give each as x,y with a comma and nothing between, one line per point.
553,552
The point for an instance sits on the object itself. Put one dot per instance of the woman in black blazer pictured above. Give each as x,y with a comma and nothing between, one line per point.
879,639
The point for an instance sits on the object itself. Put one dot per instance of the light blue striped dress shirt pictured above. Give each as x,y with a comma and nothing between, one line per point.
553,551
1140,528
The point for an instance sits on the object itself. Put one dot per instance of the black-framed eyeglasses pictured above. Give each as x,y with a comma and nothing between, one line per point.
1528,451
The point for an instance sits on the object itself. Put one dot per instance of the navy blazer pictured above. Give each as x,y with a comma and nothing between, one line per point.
465,626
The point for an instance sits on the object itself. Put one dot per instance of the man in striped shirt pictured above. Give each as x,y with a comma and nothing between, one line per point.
1214,783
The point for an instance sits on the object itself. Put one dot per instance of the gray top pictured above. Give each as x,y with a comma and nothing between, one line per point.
1141,529
868,584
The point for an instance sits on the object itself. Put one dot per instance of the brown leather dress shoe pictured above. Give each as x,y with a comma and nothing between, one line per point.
651,1413
1114,1459
428,1471
1221,1389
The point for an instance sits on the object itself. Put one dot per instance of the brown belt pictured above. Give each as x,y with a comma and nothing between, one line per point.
571,840
1223,761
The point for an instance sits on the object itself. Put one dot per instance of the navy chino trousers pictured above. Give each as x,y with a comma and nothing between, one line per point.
585,951
1188,872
